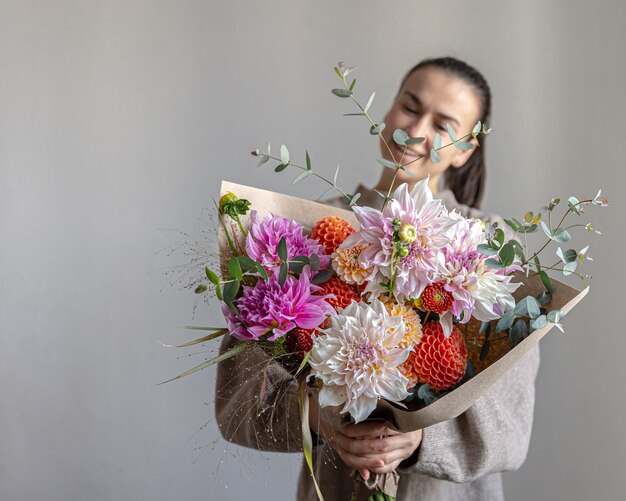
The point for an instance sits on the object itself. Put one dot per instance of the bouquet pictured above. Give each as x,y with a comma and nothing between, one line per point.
406,314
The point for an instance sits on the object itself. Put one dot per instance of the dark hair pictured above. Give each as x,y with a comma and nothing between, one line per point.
466,182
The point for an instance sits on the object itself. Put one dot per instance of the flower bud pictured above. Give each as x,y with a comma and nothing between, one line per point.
407,233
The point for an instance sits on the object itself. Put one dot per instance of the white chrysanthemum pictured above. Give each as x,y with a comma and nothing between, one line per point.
357,359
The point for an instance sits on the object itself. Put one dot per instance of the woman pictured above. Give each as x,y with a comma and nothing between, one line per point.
457,459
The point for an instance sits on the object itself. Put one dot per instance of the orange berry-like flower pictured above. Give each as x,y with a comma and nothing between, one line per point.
437,360
331,232
300,341
344,293
436,299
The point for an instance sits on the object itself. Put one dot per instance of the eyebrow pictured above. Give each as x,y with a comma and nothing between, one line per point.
419,103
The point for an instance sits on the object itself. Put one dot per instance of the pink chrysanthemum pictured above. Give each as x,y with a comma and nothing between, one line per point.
268,307
263,238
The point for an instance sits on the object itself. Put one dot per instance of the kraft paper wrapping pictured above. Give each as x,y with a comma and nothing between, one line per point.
415,416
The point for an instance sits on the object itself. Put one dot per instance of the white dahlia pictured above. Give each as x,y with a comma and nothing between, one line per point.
358,358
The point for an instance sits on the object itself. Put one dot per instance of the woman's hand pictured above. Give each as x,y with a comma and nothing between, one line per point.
368,446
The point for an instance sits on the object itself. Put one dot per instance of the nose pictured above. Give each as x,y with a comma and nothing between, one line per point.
421,127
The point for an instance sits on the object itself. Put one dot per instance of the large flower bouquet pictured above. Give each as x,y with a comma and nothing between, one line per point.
407,314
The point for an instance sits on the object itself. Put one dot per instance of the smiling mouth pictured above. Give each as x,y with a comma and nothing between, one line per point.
409,156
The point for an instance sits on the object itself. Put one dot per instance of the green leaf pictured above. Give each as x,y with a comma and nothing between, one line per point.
569,268
335,177
518,331
485,327
463,145
546,230
528,307
354,198
434,156
219,332
477,127
302,176
568,256
505,322
230,290
507,254
315,262
437,141
234,269
338,72
298,263
386,163
537,263
354,114
486,250
451,132
555,316
369,102
200,289
308,160
280,167
342,92
321,277
528,217
307,438
284,154
513,225
494,264
213,278
562,235
224,356
484,351
426,393
498,235
415,140
282,274
544,298
400,137
377,129
539,322
282,249
262,160
545,279
352,85
573,204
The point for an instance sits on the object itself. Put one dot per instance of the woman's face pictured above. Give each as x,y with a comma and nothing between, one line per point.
429,99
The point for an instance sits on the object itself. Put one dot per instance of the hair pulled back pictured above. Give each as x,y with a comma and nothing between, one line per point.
466,182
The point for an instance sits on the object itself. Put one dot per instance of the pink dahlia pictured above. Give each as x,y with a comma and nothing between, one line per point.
268,307
477,290
405,241
263,238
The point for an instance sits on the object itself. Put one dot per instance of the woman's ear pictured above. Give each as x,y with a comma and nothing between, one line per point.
461,157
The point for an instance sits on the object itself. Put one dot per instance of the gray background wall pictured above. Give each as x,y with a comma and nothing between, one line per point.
118,118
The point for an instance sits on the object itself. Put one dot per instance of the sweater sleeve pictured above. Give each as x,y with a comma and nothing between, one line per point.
492,435
256,401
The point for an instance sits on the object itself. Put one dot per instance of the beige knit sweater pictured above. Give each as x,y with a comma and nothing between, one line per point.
460,459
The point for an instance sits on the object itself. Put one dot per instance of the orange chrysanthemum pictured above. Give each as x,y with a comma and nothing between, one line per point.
412,322
300,341
436,299
438,361
344,293
346,264
331,232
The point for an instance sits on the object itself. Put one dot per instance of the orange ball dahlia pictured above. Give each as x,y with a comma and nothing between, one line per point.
438,361
331,232
436,299
344,293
